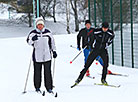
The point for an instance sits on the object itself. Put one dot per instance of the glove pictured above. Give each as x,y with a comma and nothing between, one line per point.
78,48
54,54
35,38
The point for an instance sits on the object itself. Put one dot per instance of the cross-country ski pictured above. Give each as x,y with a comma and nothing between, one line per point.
109,85
68,50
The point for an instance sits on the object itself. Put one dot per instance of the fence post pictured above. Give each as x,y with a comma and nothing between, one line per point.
112,29
122,56
95,13
132,51
89,10
38,8
103,11
34,13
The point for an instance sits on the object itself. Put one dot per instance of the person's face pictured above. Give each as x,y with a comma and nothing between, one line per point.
104,29
88,25
40,26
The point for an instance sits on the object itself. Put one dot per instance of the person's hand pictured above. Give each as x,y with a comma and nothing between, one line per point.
54,54
78,48
35,38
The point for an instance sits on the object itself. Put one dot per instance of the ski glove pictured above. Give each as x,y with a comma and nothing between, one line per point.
78,48
35,38
54,54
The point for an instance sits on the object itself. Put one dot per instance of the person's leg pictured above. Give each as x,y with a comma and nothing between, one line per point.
99,59
86,54
89,61
37,75
104,56
48,76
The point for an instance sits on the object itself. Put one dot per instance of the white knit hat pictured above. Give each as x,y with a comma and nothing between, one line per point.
39,20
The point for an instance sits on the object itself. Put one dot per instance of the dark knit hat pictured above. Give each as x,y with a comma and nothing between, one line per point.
87,21
105,25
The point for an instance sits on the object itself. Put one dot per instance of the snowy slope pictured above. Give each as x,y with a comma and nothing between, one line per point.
15,57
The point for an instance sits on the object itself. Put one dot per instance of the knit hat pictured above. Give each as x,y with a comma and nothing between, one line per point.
105,25
87,21
39,20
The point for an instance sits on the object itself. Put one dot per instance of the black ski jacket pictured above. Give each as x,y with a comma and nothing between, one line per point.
102,40
86,37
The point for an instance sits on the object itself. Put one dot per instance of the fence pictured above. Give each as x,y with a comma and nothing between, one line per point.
121,15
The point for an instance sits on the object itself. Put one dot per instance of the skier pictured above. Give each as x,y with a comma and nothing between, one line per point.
87,35
44,45
102,38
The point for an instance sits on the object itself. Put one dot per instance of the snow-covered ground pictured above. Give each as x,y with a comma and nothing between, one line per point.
15,57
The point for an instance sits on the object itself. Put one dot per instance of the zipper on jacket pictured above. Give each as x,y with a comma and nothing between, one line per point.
102,40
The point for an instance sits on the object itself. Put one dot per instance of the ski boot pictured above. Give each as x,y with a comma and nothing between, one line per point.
38,90
104,82
50,91
87,73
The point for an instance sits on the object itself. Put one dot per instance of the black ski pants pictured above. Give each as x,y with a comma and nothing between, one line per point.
47,74
92,56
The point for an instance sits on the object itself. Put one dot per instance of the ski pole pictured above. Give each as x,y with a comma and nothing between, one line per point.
77,55
73,46
53,70
27,77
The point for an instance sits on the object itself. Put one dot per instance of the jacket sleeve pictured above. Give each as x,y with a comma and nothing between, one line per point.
92,37
53,46
79,38
29,38
111,38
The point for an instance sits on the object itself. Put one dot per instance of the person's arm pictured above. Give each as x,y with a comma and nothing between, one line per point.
32,37
92,37
111,38
53,46
79,39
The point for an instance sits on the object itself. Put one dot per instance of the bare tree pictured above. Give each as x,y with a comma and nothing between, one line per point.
54,10
68,15
74,7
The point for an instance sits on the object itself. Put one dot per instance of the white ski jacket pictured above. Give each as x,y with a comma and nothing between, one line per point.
43,46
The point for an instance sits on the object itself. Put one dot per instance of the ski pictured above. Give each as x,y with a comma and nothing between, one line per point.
38,92
52,93
74,85
109,85
118,74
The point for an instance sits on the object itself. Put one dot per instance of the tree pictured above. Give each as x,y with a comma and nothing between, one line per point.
49,8
68,15
74,7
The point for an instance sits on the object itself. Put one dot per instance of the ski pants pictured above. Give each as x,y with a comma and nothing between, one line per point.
47,74
86,54
92,56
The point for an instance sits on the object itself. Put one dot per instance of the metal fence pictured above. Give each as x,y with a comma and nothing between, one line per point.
122,19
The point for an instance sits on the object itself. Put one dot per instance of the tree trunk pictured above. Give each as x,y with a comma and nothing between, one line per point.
30,19
75,14
68,15
54,11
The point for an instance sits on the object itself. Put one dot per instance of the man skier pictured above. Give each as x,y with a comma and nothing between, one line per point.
102,38
44,46
87,35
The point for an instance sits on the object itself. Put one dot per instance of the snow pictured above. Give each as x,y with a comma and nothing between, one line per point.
15,56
